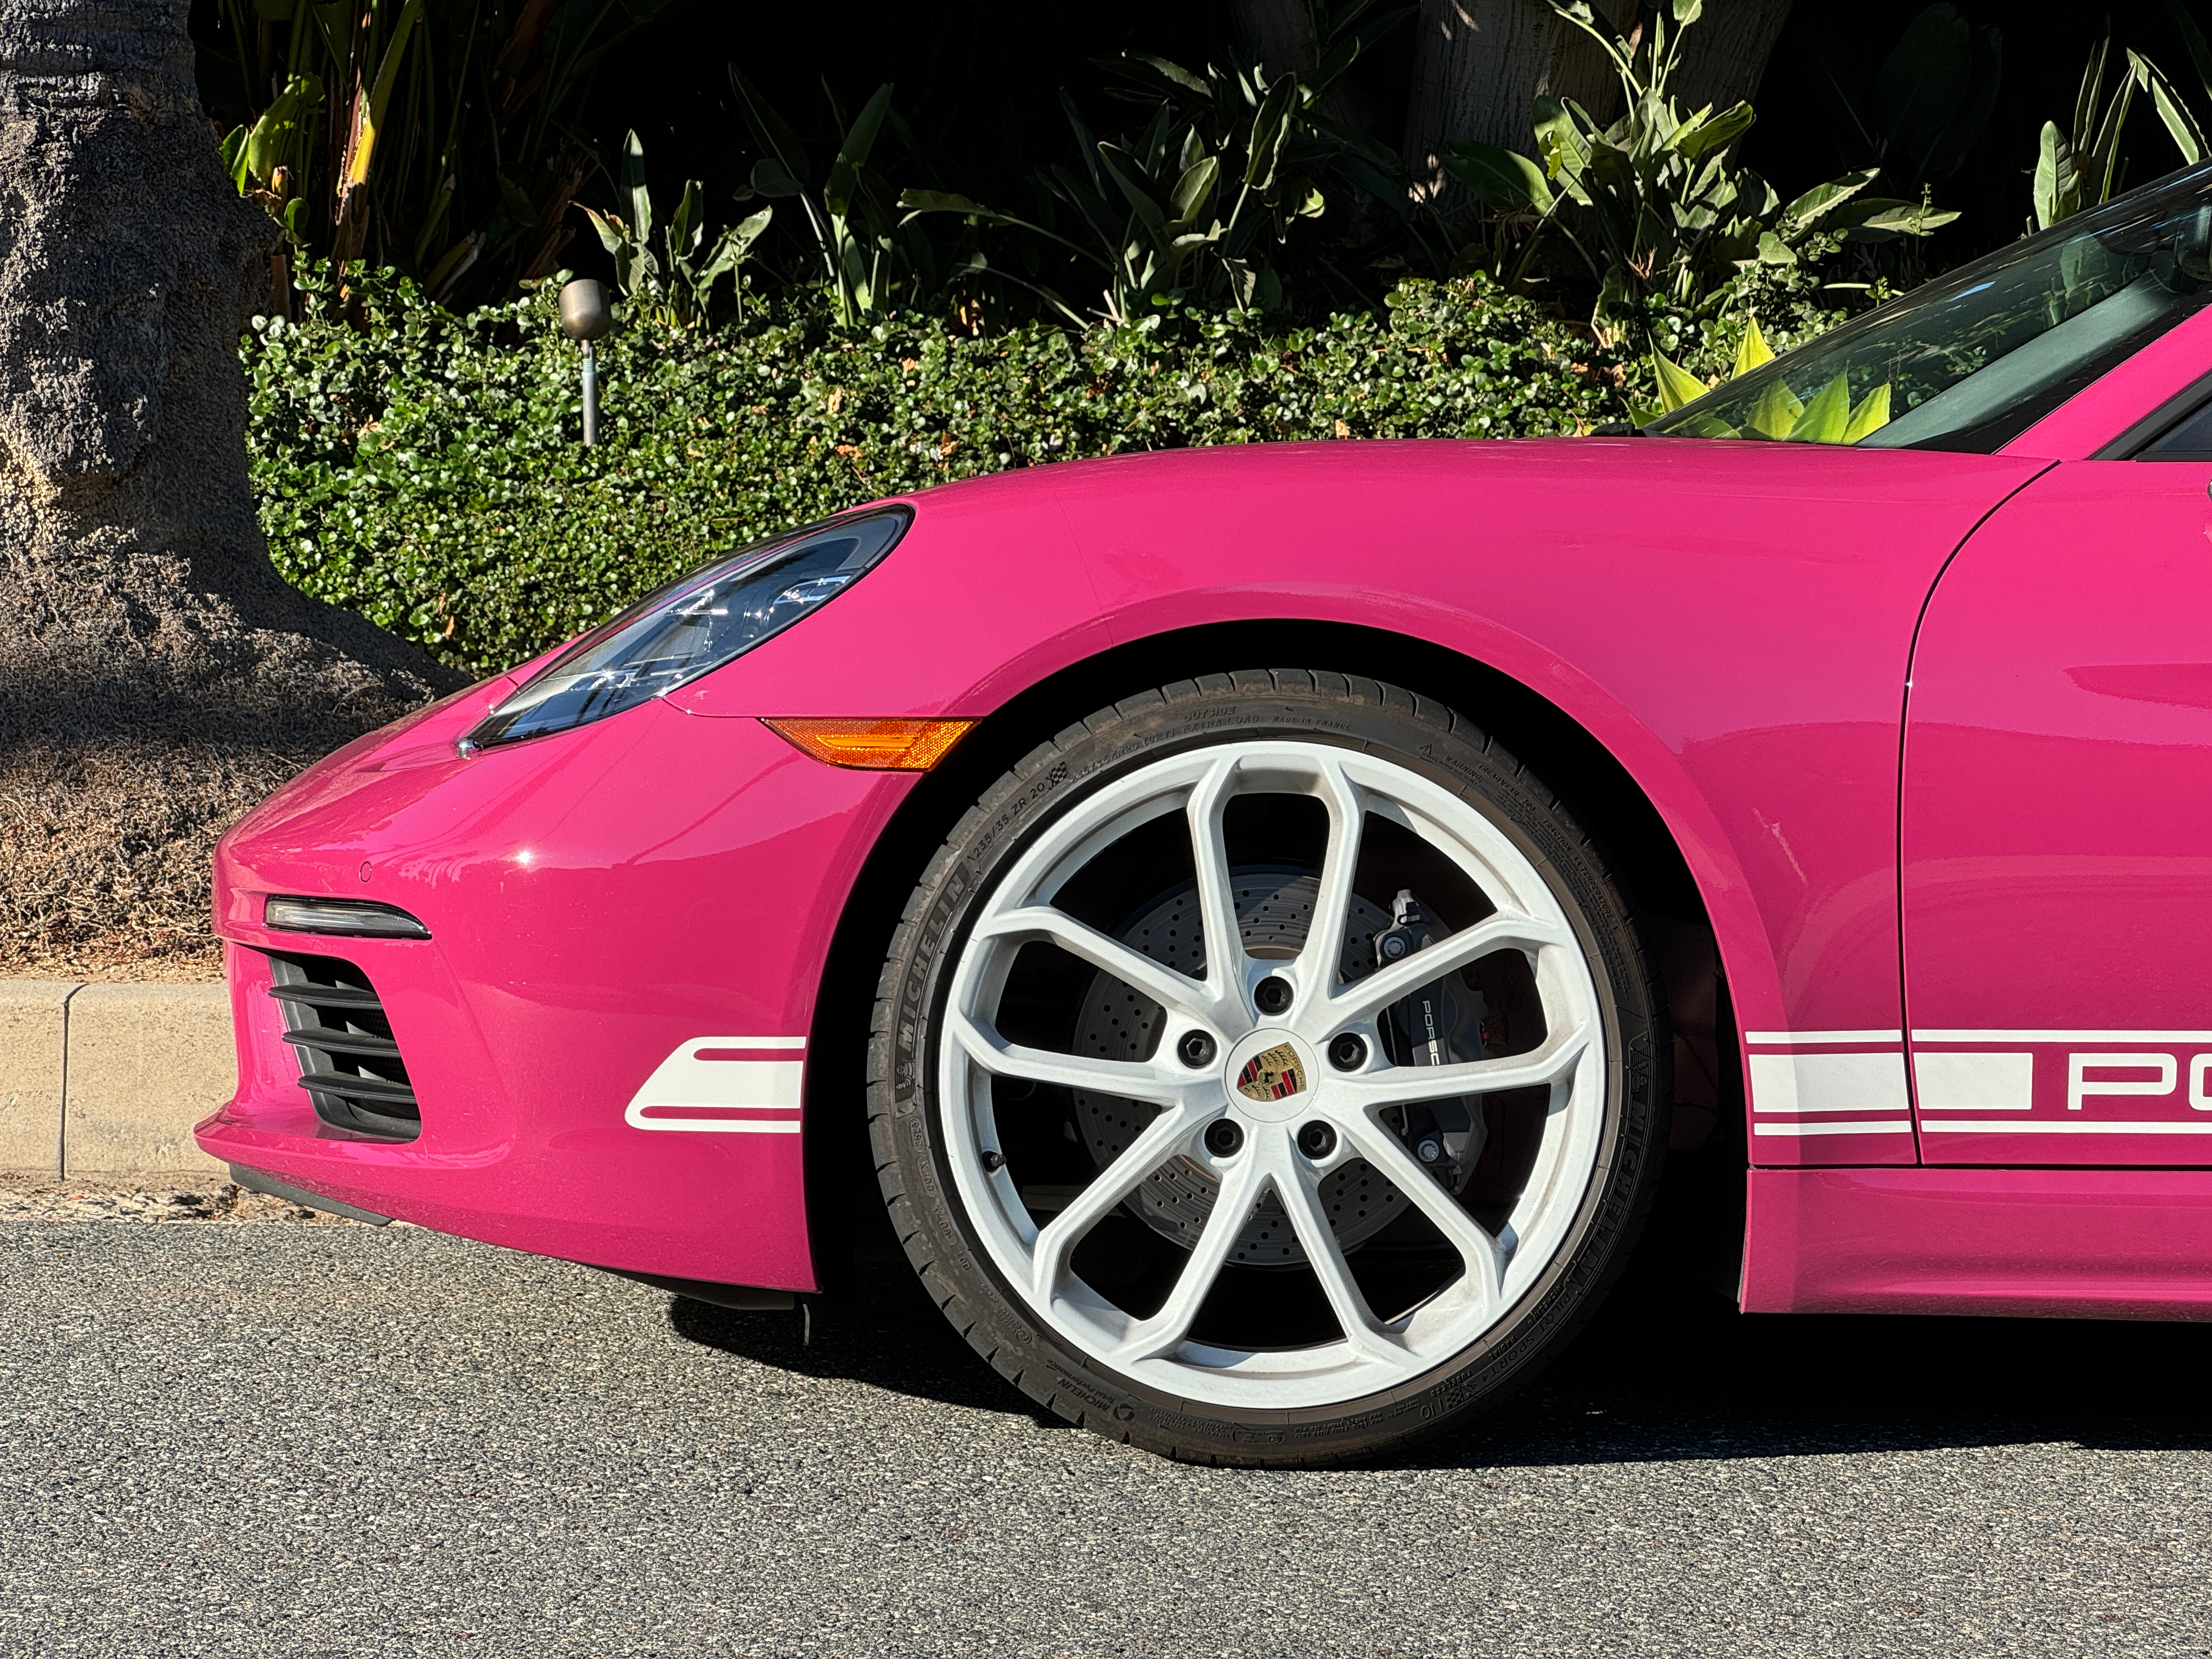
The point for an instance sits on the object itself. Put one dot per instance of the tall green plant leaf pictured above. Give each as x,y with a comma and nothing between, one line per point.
637,200
1752,351
1827,416
1870,416
1501,178
2181,123
1948,150
844,179
779,144
1705,133
2057,190
1677,385
1775,413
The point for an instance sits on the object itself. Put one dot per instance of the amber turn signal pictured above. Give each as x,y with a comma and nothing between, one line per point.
873,746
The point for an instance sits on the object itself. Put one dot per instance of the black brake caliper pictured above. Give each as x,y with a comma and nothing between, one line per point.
1439,1023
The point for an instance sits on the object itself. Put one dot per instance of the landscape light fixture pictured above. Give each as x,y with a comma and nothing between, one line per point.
584,318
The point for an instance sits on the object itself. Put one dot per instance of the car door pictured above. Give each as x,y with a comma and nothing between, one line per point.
2056,844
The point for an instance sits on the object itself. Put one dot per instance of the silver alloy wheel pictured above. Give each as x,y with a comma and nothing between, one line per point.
1371,1353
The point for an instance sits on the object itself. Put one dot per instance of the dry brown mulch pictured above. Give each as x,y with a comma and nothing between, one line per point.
117,962
31,1197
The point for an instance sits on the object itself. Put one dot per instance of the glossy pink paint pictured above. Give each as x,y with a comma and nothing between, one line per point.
2115,401
594,900
1733,621
2057,877
1760,716
2111,1243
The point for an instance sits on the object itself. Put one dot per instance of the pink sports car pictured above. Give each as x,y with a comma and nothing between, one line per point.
1268,917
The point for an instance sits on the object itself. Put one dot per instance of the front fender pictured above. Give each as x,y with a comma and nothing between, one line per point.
1731,620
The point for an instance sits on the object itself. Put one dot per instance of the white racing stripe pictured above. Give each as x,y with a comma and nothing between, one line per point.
2055,1127
1858,1091
1861,1127
1974,1082
1993,1039
1791,1083
1992,1071
713,1079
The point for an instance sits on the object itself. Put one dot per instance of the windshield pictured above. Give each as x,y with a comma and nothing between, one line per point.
1971,359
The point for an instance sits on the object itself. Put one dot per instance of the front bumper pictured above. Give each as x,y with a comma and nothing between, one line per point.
598,902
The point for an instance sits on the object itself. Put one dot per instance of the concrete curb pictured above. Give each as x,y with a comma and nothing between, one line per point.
109,1079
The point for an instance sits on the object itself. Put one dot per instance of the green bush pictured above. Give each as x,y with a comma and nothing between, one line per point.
425,469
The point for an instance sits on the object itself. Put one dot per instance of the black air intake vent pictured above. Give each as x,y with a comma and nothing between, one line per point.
349,1064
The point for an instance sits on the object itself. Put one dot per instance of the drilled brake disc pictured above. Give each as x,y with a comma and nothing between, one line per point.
1274,913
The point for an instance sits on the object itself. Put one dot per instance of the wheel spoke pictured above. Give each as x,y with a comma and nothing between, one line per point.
1403,1085
1217,896
1120,1077
1332,904
1243,1186
1301,1194
1194,968
1165,1136
1177,993
1485,1260
1364,998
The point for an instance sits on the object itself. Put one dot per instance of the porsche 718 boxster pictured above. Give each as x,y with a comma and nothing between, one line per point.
1264,920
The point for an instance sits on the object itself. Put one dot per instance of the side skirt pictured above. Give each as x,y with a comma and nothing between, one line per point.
2057,1243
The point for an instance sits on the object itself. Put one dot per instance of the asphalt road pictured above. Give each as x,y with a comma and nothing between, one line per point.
304,1441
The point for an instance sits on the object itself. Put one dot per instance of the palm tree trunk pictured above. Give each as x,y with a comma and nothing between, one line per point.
1724,55
1476,65
1279,32
159,676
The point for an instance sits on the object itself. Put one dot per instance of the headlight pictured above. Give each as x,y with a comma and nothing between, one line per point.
695,626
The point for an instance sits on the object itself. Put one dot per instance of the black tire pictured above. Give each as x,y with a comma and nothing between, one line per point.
907,1138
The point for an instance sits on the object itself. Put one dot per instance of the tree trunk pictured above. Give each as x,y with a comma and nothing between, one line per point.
1480,65
1725,53
1476,64
157,676
1279,32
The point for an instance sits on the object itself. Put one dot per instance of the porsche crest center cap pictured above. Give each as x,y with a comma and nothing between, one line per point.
1272,1074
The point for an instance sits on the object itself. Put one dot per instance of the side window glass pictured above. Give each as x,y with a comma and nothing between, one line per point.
2189,439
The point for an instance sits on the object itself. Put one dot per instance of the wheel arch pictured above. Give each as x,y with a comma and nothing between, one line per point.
1604,795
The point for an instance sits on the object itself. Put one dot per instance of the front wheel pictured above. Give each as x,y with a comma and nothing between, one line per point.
1266,1070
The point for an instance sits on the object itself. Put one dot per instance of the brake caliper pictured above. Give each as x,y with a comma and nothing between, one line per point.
1439,1023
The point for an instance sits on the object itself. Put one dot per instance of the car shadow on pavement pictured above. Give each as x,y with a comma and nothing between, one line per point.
1666,1371
1670,1373
878,1329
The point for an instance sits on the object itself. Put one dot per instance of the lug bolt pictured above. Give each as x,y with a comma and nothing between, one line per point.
1273,995
1195,1049
1316,1139
1430,1151
1223,1137
1347,1051
1393,946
